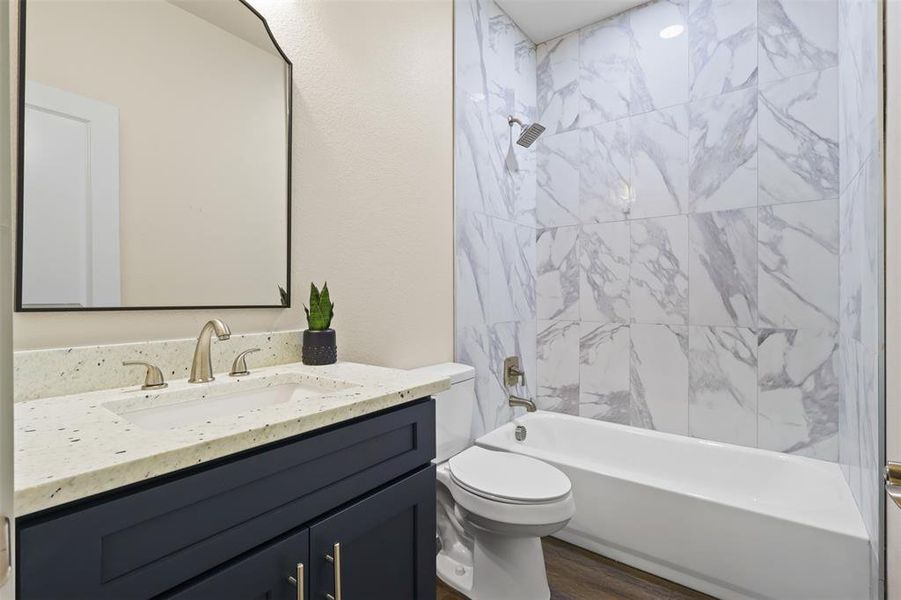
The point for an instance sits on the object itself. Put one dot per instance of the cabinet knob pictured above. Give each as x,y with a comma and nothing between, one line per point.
335,559
297,580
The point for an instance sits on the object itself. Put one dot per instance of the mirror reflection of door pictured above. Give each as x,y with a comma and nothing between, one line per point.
71,236
156,156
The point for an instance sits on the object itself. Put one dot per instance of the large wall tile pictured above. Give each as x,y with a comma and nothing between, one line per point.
722,37
558,273
798,154
858,93
604,58
472,347
557,195
659,270
868,433
513,339
604,258
723,152
604,192
722,389
558,366
558,83
511,272
485,348
495,76
479,182
849,351
654,81
858,255
473,243
798,272
660,163
796,36
476,178
723,268
604,372
798,392
859,429
659,377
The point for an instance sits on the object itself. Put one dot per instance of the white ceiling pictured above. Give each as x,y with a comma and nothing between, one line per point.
543,20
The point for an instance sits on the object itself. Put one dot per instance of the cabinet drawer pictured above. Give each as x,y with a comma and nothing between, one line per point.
260,575
144,542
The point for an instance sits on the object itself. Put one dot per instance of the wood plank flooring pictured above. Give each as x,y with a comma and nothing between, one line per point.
576,574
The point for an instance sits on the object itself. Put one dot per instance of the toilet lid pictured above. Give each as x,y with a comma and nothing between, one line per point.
508,477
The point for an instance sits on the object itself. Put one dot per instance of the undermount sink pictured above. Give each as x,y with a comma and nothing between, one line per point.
167,413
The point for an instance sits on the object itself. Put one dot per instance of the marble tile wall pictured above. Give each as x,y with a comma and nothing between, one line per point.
687,222
692,244
497,274
860,227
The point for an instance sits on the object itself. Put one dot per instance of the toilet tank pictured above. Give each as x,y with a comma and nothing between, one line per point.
453,408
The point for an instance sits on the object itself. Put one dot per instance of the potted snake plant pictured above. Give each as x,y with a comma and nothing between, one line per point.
319,346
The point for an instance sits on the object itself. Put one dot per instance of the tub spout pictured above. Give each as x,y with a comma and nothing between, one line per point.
524,402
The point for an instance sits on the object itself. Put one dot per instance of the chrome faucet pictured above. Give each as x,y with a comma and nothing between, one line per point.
202,365
525,402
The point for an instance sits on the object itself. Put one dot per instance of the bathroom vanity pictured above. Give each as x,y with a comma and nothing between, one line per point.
331,496
284,482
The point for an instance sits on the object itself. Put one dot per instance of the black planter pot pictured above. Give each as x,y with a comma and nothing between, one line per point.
319,347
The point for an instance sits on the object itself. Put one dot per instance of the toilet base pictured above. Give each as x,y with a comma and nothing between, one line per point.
503,568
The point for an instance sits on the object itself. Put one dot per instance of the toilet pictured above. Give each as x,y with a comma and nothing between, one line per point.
493,507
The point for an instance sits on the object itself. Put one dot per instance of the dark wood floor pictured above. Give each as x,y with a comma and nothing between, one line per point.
576,574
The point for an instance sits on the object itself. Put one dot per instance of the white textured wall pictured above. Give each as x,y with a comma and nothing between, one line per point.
372,188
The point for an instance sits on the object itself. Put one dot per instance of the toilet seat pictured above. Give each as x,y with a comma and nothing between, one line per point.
508,478
507,517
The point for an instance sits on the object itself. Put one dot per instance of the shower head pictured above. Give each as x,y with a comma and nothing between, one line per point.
527,133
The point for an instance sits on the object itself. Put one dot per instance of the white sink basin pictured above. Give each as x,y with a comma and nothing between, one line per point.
168,413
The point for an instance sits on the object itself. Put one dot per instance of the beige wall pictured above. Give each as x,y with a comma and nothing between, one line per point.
186,91
372,188
7,592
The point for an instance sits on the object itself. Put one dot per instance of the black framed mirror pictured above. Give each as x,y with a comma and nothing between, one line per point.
154,157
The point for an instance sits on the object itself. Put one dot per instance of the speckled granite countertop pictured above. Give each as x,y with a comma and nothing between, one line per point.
71,447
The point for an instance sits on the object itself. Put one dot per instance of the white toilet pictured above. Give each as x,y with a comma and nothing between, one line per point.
493,507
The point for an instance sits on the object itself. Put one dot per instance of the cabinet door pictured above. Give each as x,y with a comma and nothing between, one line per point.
380,548
264,574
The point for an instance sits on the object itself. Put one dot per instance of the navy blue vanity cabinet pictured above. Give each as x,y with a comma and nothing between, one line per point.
380,548
240,527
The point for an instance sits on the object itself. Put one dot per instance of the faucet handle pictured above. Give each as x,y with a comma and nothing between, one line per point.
239,366
513,373
153,377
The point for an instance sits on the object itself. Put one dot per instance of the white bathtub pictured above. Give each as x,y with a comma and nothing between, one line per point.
729,521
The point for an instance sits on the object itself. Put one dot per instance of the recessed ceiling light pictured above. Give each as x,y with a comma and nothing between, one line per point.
671,31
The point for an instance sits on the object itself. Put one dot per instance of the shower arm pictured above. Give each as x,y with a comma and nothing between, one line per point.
511,120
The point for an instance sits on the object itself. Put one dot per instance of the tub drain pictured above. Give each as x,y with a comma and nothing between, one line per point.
520,433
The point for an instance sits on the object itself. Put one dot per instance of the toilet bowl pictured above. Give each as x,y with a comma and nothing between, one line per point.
493,507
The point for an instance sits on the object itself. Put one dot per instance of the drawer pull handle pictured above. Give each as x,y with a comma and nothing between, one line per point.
298,581
335,559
